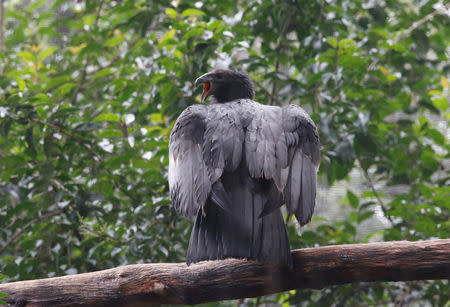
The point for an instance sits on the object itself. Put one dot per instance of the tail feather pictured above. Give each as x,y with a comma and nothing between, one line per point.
240,231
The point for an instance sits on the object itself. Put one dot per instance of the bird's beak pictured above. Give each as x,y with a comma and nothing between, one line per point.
206,81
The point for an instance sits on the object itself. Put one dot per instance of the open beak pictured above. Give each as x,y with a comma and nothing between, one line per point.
205,94
205,80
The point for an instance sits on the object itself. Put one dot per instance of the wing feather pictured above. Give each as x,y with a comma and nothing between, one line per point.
205,141
304,149
189,182
282,144
261,140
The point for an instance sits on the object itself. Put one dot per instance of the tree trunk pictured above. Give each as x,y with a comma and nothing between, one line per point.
176,283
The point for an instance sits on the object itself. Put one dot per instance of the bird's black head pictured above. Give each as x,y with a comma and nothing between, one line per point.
225,85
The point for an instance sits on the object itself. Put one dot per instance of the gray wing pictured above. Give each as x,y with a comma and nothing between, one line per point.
266,151
303,144
282,144
204,141
189,183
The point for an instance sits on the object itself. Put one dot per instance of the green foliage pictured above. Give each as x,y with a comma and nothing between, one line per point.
89,91
2,295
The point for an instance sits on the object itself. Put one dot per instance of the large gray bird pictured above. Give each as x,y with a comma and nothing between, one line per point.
234,163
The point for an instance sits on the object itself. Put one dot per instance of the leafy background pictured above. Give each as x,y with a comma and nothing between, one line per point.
89,91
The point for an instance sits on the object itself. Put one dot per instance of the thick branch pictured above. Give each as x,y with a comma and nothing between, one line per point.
175,283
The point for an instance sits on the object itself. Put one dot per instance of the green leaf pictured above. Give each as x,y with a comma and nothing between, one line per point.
41,97
332,41
171,12
114,41
168,36
88,19
193,32
215,25
440,102
35,5
373,234
102,73
56,81
64,112
27,56
364,216
436,136
64,89
347,43
46,53
20,83
429,160
192,12
352,199
111,117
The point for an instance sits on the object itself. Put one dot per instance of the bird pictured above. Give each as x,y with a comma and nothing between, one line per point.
233,163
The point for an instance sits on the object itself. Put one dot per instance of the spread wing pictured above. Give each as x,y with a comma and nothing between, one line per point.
282,144
204,141
303,144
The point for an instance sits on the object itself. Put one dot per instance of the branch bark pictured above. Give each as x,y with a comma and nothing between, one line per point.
176,283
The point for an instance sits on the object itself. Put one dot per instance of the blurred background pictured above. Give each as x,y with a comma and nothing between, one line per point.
89,91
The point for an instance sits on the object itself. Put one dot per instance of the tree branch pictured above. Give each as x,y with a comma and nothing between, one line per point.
416,24
176,283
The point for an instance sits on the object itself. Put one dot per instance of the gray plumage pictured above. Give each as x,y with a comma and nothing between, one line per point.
232,164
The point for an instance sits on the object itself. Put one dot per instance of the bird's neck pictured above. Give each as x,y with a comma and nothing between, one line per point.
234,92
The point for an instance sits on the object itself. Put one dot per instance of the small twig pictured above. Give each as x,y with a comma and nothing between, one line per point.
97,15
60,186
421,21
375,193
317,98
123,128
104,235
12,222
69,134
261,86
401,298
336,55
274,85
18,233
84,70
411,28
80,82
